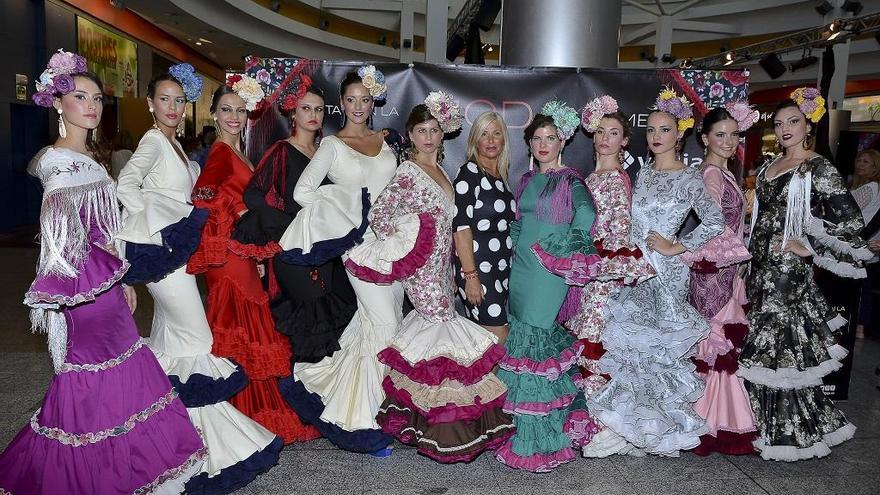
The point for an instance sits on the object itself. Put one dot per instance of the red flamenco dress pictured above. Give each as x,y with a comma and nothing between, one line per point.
238,307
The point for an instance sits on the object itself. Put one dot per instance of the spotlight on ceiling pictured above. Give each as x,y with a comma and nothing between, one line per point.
324,25
824,8
772,65
854,7
804,63
835,29
275,5
729,58
686,63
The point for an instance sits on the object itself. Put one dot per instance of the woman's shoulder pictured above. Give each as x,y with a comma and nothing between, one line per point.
468,172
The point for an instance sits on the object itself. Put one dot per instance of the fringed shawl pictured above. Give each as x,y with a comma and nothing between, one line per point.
798,216
554,203
78,197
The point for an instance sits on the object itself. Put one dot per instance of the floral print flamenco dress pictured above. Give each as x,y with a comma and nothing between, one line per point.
651,330
792,343
718,293
552,250
110,422
621,263
442,396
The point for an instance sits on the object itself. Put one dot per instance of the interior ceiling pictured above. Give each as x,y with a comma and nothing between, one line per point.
700,25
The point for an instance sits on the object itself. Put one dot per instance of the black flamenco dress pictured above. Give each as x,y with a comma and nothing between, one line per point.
311,305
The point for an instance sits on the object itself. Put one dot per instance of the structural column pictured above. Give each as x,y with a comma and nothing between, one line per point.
560,33
436,20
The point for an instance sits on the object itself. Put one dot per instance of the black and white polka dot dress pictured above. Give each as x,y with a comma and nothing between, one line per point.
485,205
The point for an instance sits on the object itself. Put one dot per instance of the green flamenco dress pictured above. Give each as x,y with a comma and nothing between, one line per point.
552,251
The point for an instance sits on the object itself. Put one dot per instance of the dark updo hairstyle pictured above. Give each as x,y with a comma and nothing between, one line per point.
223,90
165,76
95,142
624,122
351,77
538,122
419,115
714,116
789,103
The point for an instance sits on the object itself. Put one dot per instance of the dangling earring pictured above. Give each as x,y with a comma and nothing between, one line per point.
155,123
621,156
181,126
342,121
62,129
808,142
531,162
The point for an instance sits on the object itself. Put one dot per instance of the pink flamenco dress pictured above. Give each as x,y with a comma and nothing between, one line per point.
621,263
441,394
717,292
110,422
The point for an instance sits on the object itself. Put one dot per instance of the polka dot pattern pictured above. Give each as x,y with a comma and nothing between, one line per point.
486,206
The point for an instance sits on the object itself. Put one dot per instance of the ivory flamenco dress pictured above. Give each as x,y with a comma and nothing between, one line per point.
651,331
238,307
161,229
621,263
552,250
341,393
792,342
110,422
717,292
442,396
311,305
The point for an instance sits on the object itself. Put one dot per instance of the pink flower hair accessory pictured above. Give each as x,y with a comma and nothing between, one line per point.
744,114
593,112
445,109
811,102
56,79
677,106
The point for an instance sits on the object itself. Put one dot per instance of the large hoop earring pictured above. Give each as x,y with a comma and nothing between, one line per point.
808,141
62,129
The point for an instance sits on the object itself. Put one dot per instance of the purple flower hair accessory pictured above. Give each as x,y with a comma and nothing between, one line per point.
56,79
744,114
677,106
595,110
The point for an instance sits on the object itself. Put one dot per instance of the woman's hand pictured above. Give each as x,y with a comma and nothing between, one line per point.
662,245
130,297
874,246
473,290
261,270
796,247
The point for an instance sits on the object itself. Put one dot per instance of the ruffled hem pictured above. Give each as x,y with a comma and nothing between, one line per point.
628,269
151,263
538,408
458,441
253,251
727,443
325,250
818,449
202,390
723,250
314,326
435,371
605,443
309,407
446,413
580,427
536,463
551,368
238,475
372,262
577,269
793,378
174,480
101,271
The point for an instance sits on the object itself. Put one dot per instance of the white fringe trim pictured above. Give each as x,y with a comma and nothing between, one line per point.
819,449
54,325
837,352
835,323
839,268
789,378
817,229
606,443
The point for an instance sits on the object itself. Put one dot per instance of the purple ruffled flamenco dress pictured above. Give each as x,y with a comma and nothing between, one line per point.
110,422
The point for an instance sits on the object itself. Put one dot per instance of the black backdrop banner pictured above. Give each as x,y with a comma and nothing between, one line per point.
518,93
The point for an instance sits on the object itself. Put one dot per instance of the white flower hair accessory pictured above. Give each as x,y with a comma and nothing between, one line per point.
374,80
445,109
593,112
247,88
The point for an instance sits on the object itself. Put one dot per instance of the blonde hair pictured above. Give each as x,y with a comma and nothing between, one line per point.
480,125
874,156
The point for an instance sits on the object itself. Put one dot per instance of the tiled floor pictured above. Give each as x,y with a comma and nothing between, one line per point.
318,468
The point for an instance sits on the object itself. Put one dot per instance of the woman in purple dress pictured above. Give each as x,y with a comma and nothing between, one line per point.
110,422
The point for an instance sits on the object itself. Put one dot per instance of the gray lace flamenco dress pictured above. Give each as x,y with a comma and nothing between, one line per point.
792,344
651,331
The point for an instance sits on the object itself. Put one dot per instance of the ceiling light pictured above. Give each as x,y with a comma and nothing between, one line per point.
686,63
804,63
198,43
772,65
835,29
668,58
854,7
730,57
824,8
